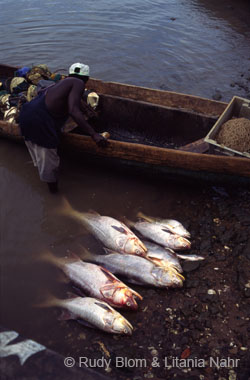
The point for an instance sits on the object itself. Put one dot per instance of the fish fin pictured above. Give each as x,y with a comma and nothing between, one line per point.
93,212
127,222
108,274
65,316
85,323
78,291
168,231
62,279
71,295
86,255
120,229
144,217
104,306
135,282
171,251
72,257
109,251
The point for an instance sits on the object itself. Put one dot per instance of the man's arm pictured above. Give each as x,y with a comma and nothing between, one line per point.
74,109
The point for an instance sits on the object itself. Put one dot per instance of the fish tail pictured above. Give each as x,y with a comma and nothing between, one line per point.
85,254
66,209
59,261
127,222
48,257
145,217
49,301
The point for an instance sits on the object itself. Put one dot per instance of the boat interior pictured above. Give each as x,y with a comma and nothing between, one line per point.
149,124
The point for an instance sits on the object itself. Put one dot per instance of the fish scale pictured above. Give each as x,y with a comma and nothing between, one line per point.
96,281
92,312
108,230
158,234
138,270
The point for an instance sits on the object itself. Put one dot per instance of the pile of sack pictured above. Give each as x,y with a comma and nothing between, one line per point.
24,86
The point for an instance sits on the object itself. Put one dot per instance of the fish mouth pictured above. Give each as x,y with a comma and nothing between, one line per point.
185,243
176,278
123,326
131,304
138,248
137,296
128,328
142,249
132,298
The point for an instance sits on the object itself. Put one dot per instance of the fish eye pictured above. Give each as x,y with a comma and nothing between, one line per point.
128,303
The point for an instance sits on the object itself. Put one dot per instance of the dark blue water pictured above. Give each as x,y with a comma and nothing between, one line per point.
192,46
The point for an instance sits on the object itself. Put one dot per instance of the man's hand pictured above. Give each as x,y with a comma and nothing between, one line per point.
100,140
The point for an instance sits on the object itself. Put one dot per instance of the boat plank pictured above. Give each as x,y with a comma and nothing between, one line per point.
160,97
161,156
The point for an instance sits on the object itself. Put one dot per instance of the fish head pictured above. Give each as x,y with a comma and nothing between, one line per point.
176,228
164,263
135,247
184,233
170,278
183,243
122,326
114,321
126,298
119,295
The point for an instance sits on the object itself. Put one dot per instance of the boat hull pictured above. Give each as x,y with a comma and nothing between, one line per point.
140,111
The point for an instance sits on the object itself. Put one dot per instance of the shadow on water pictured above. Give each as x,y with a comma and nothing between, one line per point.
236,14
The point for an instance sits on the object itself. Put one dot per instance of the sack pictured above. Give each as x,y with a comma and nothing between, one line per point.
32,92
11,115
18,84
38,73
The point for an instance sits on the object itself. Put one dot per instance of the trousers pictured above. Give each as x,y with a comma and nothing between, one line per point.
46,160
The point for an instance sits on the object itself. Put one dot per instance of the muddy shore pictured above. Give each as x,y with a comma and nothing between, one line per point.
202,328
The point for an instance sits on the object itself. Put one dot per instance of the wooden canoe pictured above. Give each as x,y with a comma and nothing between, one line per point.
160,129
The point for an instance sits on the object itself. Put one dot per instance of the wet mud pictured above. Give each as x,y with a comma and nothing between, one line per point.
202,328
200,331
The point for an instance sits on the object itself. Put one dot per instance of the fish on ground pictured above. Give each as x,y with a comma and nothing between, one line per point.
163,257
190,257
95,281
112,233
160,235
92,313
138,270
171,225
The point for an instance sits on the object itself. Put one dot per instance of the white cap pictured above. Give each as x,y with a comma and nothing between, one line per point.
79,69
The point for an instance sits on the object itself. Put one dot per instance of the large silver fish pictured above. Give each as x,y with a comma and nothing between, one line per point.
96,281
164,257
160,235
138,270
112,233
171,225
92,313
